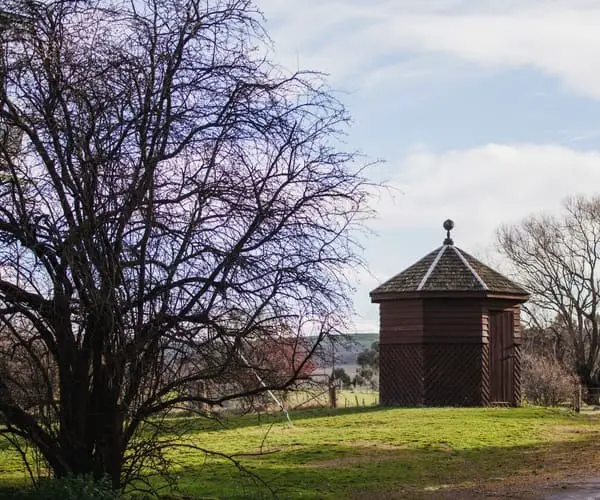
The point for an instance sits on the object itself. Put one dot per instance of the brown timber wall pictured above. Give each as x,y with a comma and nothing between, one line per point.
455,356
401,353
436,351
505,305
401,322
452,321
517,353
515,371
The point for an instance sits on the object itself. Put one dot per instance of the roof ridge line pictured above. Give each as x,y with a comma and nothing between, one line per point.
470,268
431,268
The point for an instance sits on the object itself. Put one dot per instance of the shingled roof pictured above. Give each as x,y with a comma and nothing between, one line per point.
449,269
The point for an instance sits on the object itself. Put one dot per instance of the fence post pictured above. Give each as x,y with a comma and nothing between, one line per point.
332,396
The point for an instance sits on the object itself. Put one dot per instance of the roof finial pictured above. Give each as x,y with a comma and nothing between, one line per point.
448,226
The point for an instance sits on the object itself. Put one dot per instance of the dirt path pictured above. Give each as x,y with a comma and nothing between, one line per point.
569,490
590,490
574,488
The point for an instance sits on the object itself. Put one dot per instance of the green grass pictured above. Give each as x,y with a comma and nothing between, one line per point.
371,452
365,452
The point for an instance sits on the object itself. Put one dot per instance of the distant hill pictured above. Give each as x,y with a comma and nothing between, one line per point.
364,339
347,349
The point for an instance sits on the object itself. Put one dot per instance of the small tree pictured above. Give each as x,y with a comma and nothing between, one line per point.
368,363
340,376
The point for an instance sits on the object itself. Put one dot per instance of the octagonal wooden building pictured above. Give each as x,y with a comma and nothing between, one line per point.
450,333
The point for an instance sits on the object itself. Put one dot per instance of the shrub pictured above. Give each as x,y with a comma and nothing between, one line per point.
65,488
339,375
546,382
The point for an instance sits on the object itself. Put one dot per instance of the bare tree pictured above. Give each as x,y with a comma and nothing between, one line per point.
10,136
177,199
557,259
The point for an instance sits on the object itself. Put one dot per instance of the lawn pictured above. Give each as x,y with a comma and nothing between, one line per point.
382,453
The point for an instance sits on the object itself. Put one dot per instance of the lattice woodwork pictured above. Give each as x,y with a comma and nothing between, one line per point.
485,374
453,374
401,375
517,374
448,351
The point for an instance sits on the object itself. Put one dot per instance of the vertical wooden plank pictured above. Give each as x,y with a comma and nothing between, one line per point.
505,358
495,387
502,363
507,354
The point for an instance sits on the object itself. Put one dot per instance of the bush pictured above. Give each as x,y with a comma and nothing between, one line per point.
546,382
340,375
65,488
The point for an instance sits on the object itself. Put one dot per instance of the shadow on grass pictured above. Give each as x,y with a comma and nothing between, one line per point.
11,492
374,472
339,471
366,469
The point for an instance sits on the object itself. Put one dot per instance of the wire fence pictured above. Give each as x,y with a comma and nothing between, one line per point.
326,397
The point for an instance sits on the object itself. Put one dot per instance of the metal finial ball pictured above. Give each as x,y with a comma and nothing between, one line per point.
448,225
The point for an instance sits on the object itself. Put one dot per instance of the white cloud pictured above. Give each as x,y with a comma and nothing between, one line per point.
350,39
484,187
480,189
380,44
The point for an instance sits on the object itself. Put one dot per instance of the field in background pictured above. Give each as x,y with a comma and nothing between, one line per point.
345,352
381,453
319,398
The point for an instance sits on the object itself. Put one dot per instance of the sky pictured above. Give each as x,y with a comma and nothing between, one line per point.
484,111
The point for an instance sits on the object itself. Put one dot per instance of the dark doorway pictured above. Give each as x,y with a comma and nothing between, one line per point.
501,356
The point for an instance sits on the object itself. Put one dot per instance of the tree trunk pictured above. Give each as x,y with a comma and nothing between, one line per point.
102,459
91,427
591,385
